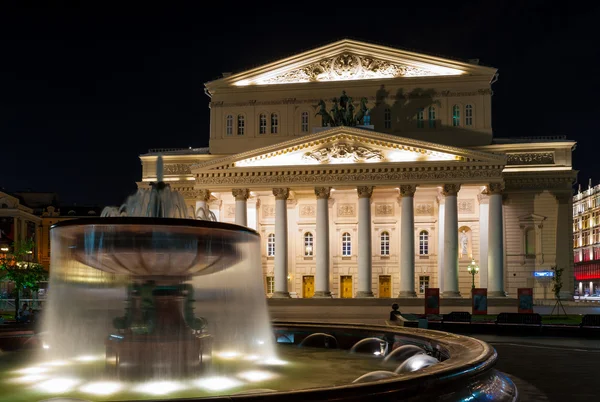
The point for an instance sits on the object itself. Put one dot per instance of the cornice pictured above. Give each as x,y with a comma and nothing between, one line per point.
553,180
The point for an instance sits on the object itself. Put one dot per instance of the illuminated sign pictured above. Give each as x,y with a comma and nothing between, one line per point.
543,274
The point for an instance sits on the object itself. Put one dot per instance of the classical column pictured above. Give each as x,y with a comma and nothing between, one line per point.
322,242
495,242
407,241
484,215
440,247
281,240
241,209
364,242
16,232
450,192
564,239
202,204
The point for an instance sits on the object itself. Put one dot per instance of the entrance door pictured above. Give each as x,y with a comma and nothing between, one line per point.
346,287
308,286
385,286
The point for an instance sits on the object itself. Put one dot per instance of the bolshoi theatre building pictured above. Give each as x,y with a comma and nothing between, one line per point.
370,171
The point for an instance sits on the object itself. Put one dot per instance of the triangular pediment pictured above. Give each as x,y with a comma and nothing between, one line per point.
346,145
348,60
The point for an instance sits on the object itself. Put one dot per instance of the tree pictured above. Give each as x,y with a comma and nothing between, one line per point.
18,268
557,283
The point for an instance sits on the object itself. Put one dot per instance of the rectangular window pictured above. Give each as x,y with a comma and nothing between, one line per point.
241,125
530,242
304,122
431,117
456,116
270,284
469,115
229,125
271,245
274,123
385,244
387,118
262,128
423,283
346,245
421,118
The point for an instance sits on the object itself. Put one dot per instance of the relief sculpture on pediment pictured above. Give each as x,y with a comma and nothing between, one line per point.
343,152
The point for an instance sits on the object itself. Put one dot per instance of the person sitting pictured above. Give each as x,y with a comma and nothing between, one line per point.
24,314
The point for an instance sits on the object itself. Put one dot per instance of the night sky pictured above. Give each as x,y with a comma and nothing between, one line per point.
84,91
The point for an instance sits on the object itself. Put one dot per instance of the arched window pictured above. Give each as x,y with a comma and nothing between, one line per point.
271,245
423,242
274,123
468,115
304,122
385,243
455,116
241,124
346,245
431,116
308,244
420,118
229,125
530,241
387,118
262,125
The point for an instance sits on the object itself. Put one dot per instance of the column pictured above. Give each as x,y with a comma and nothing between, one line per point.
322,242
364,255
564,242
407,241
450,192
495,242
440,247
241,209
281,239
484,212
16,233
202,204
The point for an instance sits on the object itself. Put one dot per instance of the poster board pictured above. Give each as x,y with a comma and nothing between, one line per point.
432,301
479,301
525,299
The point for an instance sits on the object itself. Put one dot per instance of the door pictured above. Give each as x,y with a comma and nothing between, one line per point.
308,286
385,286
346,287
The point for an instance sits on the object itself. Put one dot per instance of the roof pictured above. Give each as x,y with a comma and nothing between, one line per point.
178,151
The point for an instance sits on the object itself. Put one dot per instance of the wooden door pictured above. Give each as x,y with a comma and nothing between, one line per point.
346,287
385,286
308,286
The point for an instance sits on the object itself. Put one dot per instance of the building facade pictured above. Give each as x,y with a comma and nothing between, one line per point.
586,241
402,202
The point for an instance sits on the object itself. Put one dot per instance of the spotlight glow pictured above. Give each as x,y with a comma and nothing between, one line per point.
28,379
57,385
275,362
55,363
230,354
251,357
88,358
159,387
45,346
101,388
33,370
256,375
217,383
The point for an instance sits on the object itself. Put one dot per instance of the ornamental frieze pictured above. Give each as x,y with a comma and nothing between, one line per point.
466,206
308,211
424,209
343,152
346,211
177,168
384,209
346,66
530,158
368,177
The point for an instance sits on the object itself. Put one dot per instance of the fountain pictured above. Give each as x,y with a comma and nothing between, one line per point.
154,299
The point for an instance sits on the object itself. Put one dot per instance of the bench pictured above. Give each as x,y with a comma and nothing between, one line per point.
524,319
463,317
590,321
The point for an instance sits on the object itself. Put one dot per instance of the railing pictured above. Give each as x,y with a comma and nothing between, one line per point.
9,304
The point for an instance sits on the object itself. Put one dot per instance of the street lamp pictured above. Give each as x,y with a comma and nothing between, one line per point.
473,270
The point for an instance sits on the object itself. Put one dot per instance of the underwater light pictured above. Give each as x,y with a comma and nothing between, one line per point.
101,387
256,375
217,383
159,387
57,385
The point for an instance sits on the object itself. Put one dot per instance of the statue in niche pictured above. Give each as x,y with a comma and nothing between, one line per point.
464,244
343,112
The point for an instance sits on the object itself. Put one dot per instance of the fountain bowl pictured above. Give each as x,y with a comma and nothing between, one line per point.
150,248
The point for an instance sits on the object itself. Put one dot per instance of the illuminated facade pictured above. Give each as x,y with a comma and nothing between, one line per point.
386,209
586,241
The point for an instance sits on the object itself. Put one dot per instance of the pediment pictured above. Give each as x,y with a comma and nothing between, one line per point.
348,60
346,145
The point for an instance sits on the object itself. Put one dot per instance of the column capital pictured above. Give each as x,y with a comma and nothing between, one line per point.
281,193
241,194
450,189
408,190
494,188
204,194
365,191
483,198
563,197
322,192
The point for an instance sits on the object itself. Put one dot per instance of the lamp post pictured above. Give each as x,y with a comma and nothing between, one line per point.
473,270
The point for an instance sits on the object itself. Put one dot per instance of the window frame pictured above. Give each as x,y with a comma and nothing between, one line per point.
304,122
431,116
274,123
262,128
468,115
271,245
456,116
241,124
346,244
424,283
421,118
309,241
423,242
387,118
384,244
270,284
